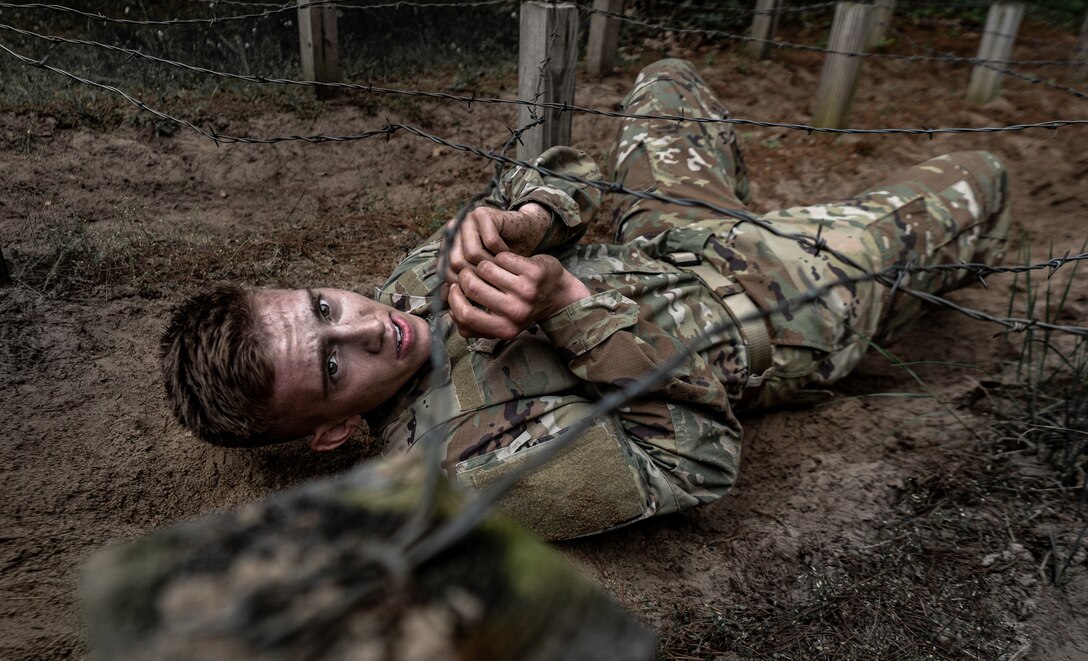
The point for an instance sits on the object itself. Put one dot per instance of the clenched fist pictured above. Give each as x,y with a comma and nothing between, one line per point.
486,232
501,296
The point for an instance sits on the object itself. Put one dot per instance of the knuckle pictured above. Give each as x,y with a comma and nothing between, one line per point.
470,286
520,313
475,253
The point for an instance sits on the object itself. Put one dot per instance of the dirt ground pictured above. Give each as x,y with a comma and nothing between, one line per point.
874,526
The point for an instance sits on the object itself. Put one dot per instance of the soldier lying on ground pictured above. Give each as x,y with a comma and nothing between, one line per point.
546,326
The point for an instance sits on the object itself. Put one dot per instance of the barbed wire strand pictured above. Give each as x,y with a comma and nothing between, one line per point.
644,22
278,9
818,49
610,187
485,501
421,548
776,11
417,524
995,65
467,99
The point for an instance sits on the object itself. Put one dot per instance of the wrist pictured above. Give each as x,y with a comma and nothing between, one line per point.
535,222
571,290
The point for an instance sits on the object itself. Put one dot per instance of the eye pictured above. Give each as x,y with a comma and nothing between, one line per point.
324,307
332,366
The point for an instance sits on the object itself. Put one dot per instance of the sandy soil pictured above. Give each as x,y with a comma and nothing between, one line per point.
863,513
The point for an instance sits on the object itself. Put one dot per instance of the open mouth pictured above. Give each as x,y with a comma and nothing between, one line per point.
398,336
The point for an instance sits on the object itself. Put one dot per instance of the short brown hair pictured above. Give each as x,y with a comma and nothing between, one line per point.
214,368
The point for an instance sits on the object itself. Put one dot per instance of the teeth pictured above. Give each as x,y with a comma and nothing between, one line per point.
400,336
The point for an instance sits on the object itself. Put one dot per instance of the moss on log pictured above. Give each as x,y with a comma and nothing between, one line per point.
318,572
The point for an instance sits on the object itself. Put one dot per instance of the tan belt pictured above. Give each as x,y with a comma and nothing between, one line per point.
744,312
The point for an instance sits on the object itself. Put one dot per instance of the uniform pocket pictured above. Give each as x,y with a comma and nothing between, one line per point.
589,487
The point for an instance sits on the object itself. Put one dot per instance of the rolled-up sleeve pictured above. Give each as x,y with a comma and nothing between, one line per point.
571,203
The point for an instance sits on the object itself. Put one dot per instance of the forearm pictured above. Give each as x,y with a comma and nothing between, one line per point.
571,204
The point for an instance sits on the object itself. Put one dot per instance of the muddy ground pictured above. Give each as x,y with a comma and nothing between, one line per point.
877,525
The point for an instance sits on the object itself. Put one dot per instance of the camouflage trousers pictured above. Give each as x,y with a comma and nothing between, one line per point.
949,209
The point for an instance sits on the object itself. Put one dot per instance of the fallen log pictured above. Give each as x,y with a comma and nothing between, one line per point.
322,572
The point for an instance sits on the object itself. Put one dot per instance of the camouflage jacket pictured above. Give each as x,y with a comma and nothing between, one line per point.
495,402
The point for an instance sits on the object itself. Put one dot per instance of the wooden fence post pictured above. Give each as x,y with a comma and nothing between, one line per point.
763,26
547,56
839,79
1080,73
604,36
1001,25
319,48
5,276
880,19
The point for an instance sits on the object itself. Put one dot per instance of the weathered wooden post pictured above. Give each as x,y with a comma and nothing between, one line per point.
5,276
763,26
1080,73
604,36
319,47
546,59
1001,25
839,80
879,20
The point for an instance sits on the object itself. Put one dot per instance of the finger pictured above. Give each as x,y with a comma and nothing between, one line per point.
520,295
454,265
473,322
454,253
519,265
489,228
479,291
471,249
500,278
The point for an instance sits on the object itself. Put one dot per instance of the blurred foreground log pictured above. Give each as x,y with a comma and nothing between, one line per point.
317,573
5,277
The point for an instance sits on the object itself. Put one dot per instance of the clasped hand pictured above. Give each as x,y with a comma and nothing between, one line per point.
494,288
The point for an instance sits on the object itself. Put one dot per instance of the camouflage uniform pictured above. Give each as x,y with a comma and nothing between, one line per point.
675,272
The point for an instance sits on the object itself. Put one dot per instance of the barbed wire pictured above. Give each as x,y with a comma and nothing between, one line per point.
744,13
415,540
818,49
968,4
149,22
237,3
1020,39
487,500
272,11
467,99
613,187
426,539
417,525
1030,8
341,4
995,66
389,129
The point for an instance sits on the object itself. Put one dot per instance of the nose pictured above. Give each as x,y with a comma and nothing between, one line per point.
366,332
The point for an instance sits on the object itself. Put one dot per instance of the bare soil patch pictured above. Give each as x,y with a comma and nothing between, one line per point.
873,526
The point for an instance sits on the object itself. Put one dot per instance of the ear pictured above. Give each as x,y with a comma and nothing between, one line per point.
331,435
